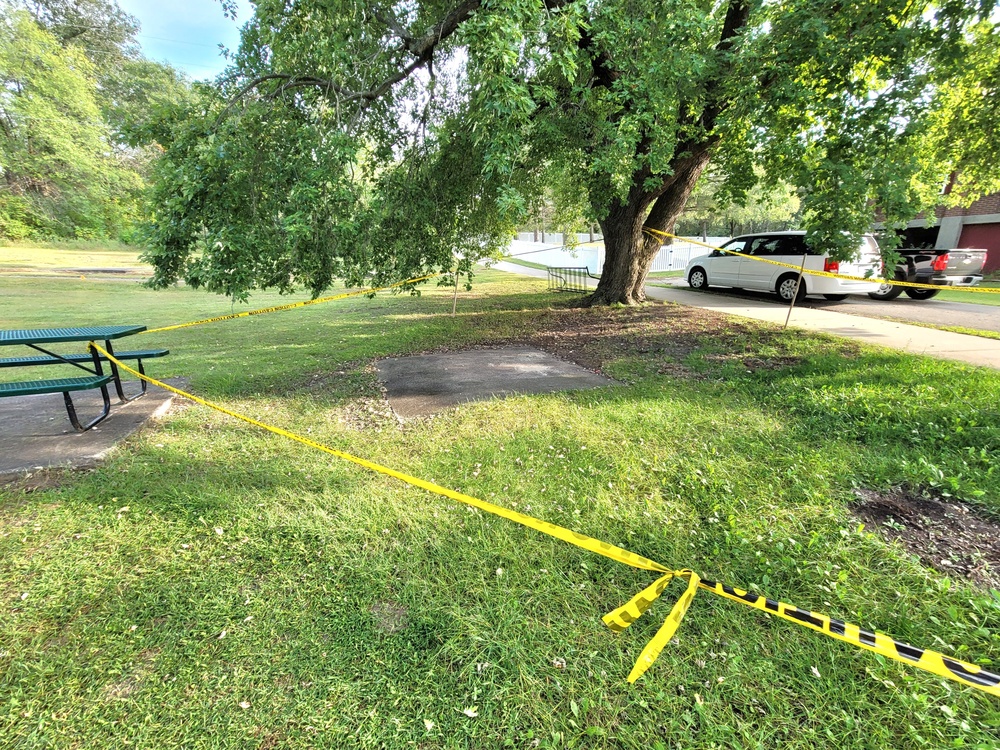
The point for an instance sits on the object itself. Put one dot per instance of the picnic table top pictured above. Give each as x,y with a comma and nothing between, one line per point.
52,335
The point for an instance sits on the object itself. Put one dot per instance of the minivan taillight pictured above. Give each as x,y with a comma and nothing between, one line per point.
831,266
940,263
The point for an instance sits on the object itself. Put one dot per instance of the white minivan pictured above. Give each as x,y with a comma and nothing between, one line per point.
723,269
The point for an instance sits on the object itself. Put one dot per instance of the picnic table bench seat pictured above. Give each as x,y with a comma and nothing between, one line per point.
81,358
63,386
89,362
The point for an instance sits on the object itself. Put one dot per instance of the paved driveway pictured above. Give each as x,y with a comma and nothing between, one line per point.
934,311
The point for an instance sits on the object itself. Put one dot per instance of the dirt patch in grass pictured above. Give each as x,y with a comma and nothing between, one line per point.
662,335
665,333
125,688
950,536
39,480
390,617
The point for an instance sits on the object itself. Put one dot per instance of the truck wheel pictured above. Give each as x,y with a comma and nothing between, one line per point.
921,293
887,292
786,288
698,279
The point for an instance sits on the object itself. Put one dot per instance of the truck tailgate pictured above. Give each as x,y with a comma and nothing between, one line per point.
965,261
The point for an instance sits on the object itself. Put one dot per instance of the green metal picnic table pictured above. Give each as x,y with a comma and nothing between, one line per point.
90,363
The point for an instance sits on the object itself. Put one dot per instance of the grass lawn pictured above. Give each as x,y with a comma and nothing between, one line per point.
952,295
212,586
68,258
522,262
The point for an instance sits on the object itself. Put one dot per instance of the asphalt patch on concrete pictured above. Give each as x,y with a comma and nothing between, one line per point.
429,383
35,432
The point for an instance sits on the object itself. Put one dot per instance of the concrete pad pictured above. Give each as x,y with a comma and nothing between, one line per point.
35,432
429,383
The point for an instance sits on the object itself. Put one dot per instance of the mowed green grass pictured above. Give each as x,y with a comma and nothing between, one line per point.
214,586
31,258
955,295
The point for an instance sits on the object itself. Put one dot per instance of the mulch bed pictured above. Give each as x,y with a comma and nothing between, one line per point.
665,333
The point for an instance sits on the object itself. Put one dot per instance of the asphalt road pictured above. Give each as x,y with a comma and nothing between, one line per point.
933,311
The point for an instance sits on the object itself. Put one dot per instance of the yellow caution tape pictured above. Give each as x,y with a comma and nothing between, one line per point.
620,618
291,305
929,661
871,280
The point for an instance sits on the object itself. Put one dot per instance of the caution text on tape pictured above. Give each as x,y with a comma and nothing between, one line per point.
290,305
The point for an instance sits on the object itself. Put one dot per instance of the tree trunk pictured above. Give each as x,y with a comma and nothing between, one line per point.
629,251
623,274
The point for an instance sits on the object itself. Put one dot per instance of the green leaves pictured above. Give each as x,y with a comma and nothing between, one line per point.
78,99
379,141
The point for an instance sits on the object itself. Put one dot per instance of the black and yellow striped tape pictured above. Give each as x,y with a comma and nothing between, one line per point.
620,618
290,305
807,272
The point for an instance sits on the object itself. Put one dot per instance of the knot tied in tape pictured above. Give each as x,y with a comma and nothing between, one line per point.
625,615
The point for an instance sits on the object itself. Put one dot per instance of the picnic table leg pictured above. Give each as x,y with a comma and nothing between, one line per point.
118,378
72,411
115,375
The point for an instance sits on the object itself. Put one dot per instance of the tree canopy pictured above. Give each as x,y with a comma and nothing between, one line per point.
75,101
379,140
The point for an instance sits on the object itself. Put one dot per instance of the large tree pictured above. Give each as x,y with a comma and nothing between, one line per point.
351,139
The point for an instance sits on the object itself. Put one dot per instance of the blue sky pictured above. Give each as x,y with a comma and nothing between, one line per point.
187,33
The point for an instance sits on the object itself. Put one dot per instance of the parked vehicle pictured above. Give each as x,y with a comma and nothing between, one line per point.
962,267
723,269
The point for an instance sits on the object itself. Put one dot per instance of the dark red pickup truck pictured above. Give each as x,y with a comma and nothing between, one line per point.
961,267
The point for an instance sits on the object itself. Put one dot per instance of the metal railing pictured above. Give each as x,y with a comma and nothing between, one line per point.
573,279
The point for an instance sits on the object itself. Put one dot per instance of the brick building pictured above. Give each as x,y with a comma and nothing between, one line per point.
975,226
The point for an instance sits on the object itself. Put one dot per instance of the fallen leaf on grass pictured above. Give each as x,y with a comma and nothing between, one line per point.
244,705
472,712
429,724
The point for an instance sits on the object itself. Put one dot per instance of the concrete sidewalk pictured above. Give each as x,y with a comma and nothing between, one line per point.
35,432
974,350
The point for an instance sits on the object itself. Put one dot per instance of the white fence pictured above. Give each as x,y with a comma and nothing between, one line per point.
552,252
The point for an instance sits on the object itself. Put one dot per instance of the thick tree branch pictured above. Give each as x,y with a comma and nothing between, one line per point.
737,16
420,48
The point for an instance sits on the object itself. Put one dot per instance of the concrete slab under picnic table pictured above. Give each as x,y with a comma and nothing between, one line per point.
430,383
35,432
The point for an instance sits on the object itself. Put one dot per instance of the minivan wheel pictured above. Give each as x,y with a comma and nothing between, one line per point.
887,292
921,293
835,297
698,279
786,288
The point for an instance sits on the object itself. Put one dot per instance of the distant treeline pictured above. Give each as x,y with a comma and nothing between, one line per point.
76,100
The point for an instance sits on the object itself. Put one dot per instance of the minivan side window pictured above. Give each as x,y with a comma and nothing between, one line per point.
766,246
795,245
737,245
